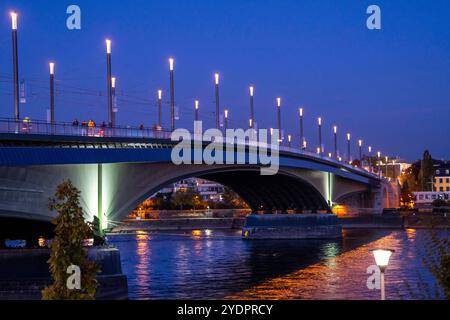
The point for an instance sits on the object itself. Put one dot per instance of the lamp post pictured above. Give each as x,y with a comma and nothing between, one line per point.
172,95
379,163
52,93
252,115
370,159
300,110
160,109
279,118
382,260
305,144
319,122
109,81
360,143
114,104
197,103
335,142
216,78
226,119
386,159
289,140
349,157
15,65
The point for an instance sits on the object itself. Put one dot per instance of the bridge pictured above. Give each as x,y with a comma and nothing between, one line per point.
117,168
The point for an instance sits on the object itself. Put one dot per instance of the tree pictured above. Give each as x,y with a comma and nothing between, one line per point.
67,247
406,197
426,171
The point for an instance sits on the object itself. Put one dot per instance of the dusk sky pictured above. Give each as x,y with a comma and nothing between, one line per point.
389,87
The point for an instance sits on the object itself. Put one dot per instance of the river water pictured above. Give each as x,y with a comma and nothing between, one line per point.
213,264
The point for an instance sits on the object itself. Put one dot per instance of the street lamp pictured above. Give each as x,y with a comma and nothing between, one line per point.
349,157
319,122
252,116
197,103
279,118
335,128
300,110
382,260
226,118
15,65
52,93
379,163
216,78
289,140
370,159
114,101
160,109
172,94
386,159
360,143
109,81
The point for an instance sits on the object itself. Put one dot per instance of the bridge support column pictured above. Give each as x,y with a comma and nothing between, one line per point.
100,197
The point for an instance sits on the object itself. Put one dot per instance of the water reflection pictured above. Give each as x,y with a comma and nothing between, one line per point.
219,264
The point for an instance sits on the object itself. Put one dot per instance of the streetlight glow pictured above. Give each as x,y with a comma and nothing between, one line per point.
382,257
14,20
216,77
196,104
279,102
171,62
113,82
301,112
108,46
251,91
319,121
360,143
335,129
226,113
159,94
348,136
370,149
52,68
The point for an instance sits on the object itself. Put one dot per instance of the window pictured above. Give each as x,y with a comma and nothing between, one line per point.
447,180
441,189
441,180
438,172
448,189
447,171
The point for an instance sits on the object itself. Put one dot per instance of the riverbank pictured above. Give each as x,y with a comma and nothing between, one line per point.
213,223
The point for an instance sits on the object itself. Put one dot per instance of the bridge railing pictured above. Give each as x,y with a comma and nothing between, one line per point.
36,127
78,129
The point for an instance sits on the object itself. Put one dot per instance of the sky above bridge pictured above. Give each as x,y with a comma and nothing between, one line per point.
389,87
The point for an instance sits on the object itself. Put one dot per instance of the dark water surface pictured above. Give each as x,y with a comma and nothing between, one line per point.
213,264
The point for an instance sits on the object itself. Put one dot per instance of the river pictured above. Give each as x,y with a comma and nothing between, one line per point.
212,264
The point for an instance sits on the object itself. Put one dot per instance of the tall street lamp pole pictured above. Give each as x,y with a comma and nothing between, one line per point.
52,93
160,109
379,163
226,119
370,159
279,118
349,157
172,95
252,114
300,110
335,142
360,143
114,103
319,122
109,81
15,65
197,103
217,78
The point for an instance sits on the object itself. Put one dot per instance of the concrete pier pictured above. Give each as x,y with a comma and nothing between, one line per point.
299,226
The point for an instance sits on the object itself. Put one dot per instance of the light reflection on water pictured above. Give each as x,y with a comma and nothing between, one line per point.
220,265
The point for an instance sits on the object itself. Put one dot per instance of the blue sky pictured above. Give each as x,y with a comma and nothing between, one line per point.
390,87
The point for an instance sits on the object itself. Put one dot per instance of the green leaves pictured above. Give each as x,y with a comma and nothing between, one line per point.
67,247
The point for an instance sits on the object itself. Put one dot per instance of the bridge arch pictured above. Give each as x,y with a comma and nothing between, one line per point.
281,192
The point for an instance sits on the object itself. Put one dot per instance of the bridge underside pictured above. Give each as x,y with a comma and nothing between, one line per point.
280,192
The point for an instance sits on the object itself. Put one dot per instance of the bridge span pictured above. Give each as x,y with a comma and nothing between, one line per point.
117,168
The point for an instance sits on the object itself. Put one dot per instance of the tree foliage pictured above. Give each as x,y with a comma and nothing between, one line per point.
426,171
67,247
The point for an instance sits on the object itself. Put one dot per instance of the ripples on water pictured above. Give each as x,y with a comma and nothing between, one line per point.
220,265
